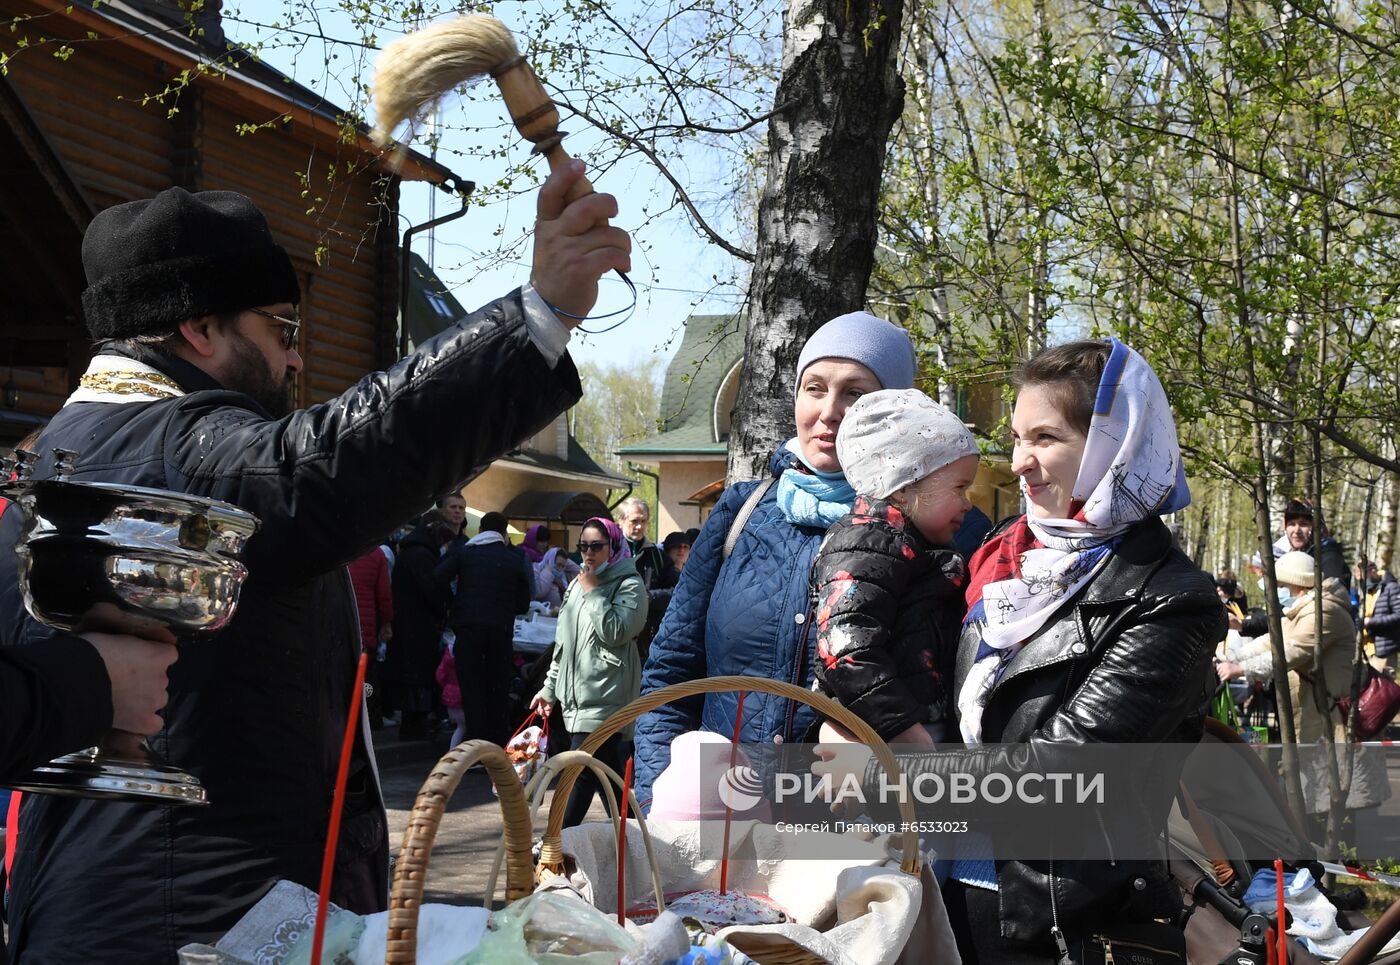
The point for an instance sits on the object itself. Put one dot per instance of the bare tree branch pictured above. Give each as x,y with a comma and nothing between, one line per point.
681,193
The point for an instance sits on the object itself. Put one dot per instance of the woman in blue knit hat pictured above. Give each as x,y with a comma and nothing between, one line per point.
747,612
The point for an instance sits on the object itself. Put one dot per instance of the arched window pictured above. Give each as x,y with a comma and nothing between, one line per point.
725,399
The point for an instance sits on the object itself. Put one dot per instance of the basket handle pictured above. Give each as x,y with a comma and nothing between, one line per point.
410,871
534,792
551,851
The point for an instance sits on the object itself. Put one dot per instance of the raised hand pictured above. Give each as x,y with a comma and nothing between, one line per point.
575,245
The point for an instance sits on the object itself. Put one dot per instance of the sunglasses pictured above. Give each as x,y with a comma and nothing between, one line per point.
592,547
289,326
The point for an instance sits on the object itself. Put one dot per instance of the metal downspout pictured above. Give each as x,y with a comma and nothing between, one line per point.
452,186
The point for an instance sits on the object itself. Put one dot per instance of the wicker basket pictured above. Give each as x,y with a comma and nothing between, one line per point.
551,855
608,778
775,951
406,896
410,872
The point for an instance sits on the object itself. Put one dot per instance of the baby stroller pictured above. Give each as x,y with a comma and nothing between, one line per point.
1222,816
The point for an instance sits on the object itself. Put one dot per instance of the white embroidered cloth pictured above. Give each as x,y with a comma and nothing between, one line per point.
111,378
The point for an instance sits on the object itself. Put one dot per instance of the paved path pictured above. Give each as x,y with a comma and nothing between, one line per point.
470,830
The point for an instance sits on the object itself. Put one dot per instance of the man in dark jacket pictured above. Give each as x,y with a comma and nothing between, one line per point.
676,550
634,516
194,305
494,582
453,509
420,613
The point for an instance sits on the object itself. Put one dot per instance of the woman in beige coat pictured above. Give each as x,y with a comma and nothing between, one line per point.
1301,619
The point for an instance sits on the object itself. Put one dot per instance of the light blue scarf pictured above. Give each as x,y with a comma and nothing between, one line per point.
818,499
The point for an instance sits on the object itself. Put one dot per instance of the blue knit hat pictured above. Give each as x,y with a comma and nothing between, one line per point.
880,346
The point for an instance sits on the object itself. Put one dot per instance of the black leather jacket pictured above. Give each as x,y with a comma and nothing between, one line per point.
1129,662
257,711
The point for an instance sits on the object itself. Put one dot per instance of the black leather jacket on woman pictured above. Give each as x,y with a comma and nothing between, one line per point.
258,709
1128,662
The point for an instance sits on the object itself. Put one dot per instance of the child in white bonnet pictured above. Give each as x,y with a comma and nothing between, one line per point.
887,582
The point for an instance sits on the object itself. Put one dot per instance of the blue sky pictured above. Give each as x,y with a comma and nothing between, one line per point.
673,269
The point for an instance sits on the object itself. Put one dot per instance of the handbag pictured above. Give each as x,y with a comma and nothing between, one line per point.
529,746
1376,706
1132,943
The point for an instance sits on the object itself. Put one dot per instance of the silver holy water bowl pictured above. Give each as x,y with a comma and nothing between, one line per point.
105,557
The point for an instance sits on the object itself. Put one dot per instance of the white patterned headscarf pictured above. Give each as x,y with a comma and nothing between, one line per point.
1131,470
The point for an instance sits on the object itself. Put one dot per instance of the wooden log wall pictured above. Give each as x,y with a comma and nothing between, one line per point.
336,215
331,224
89,107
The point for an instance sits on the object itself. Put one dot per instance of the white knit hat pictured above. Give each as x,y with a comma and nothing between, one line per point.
894,437
1294,568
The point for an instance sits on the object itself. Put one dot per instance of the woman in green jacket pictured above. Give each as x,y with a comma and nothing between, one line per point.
596,670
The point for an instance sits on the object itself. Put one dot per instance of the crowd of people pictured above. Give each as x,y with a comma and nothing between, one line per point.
858,567
1080,622
438,607
1324,606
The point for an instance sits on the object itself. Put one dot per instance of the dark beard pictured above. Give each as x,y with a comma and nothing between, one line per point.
248,372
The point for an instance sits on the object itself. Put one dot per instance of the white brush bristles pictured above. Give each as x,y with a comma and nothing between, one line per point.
418,68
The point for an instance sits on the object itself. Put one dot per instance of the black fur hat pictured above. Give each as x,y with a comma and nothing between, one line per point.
153,264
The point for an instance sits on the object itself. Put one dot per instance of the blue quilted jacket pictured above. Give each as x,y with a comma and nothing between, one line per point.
750,616
1385,619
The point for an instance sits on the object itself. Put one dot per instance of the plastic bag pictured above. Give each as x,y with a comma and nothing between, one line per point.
1223,709
550,928
528,747
343,930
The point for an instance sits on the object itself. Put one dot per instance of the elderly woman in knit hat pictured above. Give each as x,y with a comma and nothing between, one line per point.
1305,628
746,610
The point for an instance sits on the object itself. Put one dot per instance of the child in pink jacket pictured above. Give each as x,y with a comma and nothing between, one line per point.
452,695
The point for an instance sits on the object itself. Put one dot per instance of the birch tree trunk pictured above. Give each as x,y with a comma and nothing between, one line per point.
942,318
1385,528
1201,535
1225,531
817,214
1040,268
